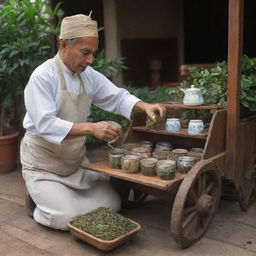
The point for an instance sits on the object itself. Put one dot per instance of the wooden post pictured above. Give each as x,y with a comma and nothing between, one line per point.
235,46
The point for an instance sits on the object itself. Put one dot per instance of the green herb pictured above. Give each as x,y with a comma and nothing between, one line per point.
157,124
104,224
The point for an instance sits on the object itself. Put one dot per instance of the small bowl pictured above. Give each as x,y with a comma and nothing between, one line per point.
118,126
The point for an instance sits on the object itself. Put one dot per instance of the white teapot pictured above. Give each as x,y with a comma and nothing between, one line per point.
193,96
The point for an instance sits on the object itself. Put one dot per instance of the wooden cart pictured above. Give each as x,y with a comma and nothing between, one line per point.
229,154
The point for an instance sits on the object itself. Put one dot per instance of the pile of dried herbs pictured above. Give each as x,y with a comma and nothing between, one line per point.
157,124
104,224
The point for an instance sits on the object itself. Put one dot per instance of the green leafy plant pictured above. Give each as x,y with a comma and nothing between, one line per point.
26,40
213,84
108,67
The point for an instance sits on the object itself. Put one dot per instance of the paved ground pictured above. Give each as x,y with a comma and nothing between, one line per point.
232,232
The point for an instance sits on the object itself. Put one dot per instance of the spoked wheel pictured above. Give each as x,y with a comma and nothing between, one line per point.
195,203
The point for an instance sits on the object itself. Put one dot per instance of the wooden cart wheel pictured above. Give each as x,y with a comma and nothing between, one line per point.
195,203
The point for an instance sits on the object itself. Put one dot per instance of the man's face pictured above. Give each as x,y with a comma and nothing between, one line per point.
78,56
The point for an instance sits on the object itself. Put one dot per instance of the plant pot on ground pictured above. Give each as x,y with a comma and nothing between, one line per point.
26,37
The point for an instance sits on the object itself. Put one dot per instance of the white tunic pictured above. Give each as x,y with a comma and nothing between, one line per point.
42,99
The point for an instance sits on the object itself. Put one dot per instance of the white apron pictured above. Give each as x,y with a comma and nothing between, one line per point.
52,173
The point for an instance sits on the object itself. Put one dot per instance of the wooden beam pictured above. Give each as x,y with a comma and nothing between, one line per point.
235,46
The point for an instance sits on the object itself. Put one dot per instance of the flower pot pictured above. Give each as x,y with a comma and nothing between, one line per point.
8,152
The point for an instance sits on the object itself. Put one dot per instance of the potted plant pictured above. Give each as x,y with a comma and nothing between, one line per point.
26,37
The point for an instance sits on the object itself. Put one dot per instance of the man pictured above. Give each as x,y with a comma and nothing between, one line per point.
58,97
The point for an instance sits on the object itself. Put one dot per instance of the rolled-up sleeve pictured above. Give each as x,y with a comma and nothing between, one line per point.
112,98
42,110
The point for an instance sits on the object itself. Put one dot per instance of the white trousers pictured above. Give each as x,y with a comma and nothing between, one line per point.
59,199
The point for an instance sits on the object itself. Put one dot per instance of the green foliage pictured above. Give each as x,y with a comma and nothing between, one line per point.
213,84
26,36
110,67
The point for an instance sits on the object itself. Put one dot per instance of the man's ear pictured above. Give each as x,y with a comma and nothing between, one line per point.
63,44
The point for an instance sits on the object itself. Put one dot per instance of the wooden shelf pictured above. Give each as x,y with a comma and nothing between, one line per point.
155,181
181,133
172,104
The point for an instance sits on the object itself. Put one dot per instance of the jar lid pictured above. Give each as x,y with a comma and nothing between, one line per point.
193,89
172,119
130,157
196,121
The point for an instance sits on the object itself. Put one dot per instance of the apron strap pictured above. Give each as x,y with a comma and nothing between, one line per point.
57,61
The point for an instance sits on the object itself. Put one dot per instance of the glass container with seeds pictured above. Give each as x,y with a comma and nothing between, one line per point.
157,124
166,169
130,163
142,152
176,153
185,163
161,154
197,153
115,156
148,166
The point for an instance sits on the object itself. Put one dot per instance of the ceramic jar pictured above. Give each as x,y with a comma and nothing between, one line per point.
148,166
166,169
185,163
195,127
172,125
130,163
176,153
115,156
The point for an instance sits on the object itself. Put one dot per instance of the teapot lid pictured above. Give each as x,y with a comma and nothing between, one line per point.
193,89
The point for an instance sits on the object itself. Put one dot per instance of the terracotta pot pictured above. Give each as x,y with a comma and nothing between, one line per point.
8,152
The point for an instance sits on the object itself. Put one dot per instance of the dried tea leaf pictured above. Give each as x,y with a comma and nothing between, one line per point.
104,224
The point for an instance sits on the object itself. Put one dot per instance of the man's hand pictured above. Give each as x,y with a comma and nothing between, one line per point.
150,109
105,131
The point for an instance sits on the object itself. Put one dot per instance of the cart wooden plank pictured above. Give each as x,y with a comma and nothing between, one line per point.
173,104
181,133
155,181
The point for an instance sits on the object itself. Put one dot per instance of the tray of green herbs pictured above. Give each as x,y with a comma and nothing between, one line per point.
103,228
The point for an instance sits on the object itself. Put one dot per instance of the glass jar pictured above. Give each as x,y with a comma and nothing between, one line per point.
162,154
142,152
166,169
148,166
185,163
115,156
195,127
197,153
176,153
130,163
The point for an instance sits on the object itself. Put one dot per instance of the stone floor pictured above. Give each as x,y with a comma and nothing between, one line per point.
232,231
